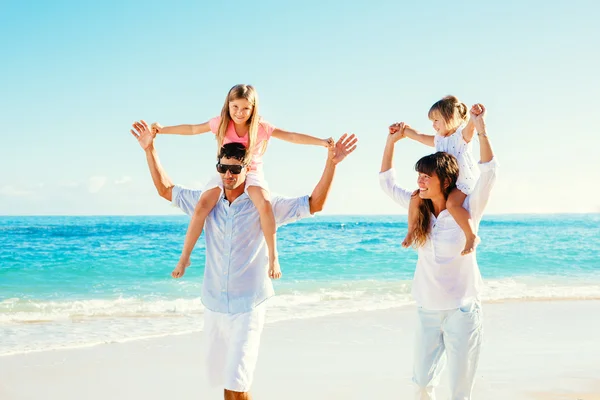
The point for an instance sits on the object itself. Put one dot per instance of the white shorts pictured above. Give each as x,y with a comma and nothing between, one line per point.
232,343
253,178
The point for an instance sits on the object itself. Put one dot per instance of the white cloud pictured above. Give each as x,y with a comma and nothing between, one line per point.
12,191
123,180
96,183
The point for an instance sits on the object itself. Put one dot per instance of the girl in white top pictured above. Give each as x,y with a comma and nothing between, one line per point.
454,134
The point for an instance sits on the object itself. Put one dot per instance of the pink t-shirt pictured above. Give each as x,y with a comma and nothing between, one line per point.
265,130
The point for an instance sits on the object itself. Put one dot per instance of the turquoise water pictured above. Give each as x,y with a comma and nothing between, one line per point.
77,281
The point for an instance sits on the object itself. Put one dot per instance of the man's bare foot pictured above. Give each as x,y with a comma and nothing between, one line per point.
180,269
274,268
408,239
471,244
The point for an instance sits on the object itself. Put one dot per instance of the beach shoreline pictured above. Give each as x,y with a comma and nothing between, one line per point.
531,350
272,320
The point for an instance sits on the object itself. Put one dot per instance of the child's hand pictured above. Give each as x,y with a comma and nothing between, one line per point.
394,128
478,113
328,143
156,127
476,109
180,268
396,131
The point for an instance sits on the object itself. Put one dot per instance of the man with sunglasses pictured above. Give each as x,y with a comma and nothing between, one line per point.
236,285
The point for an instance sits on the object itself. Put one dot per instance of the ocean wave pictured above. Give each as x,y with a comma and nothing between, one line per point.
36,325
16,310
297,297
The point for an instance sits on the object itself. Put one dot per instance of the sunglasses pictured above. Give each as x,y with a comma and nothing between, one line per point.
234,169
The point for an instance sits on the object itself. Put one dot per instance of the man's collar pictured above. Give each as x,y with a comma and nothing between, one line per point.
242,196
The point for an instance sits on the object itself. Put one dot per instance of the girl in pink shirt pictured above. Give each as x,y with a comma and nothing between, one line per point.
239,122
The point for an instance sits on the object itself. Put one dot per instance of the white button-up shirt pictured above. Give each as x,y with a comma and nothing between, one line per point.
444,279
237,262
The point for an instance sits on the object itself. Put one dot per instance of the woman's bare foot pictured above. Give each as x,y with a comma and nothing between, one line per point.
470,245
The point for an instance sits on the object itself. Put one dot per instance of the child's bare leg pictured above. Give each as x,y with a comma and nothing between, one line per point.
413,213
463,219
207,202
260,198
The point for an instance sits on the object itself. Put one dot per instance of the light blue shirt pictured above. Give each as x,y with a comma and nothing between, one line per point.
237,262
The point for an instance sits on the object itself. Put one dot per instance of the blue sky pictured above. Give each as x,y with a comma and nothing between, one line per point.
75,75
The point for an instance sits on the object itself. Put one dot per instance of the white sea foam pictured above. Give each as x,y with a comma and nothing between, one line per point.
29,325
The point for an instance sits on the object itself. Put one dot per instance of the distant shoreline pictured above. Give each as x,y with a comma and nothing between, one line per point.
321,215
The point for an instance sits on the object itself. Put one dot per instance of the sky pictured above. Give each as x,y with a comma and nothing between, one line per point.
75,75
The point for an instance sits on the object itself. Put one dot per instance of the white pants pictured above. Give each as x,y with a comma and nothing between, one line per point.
232,343
452,335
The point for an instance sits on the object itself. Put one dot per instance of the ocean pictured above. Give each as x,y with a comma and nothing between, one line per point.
79,281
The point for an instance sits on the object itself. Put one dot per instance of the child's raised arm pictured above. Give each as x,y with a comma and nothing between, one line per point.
181,129
301,138
427,140
469,130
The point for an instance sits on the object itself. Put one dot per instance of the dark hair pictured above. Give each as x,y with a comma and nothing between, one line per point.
445,167
234,150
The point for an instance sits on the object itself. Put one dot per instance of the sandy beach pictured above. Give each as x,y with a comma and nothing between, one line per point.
532,350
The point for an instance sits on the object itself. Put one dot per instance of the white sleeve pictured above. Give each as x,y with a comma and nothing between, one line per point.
478,199
286,209
185,199
387,181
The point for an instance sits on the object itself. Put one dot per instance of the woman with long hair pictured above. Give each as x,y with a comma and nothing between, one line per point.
446,284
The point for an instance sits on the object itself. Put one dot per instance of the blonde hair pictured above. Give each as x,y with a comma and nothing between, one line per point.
237,92
453,112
